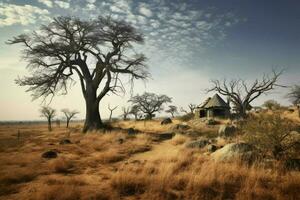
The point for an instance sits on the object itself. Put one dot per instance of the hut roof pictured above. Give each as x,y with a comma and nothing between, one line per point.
202,105
216,101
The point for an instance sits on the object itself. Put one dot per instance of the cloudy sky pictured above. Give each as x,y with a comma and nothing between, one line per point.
188,43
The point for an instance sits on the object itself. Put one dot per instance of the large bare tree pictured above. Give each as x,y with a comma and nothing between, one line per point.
242,94
69,114
97,51
49,113
191,106
149,103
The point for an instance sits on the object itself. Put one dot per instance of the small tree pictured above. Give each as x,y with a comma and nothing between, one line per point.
294,96
111,111
149,103
172,110
49,113
272,134
126,112
271,105
191,106
241,94
69,114
135,111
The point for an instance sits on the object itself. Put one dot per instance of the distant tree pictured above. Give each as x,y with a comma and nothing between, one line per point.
172,110
271,105
150,103
111,111
69,114
125,112
99,51
294,96
135,111
241,95
192,108
49,113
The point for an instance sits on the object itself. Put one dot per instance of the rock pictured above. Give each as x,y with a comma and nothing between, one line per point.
131,131
120,140
166,121
211,122
193,134
49,154
226,131
198,143
235,151
181,127
65,141
163,136
211,148
292,164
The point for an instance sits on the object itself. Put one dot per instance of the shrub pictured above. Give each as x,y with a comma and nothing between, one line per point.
272,135
272,105
187,117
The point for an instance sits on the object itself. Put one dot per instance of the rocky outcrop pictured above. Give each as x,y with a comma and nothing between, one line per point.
166,121
227,131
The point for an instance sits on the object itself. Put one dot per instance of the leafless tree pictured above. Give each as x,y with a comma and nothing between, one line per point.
172,110
294,96
192,108
135,111
98,51
49,113
241,94
150,103
111,111
69,114
125,112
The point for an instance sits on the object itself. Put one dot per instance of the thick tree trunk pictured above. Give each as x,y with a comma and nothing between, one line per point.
68,121
92,119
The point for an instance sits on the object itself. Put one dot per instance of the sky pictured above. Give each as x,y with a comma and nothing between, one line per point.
187,43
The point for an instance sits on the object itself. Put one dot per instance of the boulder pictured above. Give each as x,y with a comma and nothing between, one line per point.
131,131
181,127
211,122
292,164
65,141
211,148
236,151
227,131
49,154
163,136
198,143
166,121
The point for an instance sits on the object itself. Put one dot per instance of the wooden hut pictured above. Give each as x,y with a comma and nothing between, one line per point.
213,107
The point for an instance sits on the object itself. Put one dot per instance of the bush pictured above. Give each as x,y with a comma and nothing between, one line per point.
272,134
187,117
272,105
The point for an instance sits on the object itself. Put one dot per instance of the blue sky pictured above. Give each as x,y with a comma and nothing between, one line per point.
187,44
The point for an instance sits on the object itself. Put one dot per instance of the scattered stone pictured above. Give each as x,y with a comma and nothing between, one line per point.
131,131
49,154
166,121
234,151
181,127
211,122
120,140
198,143
211,148
292,164
163,136
65,141
226,131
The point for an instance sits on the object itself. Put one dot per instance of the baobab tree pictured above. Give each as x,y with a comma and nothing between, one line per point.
241,94
149,103
172,110
98,51
294,96
111,111
69,114
49,113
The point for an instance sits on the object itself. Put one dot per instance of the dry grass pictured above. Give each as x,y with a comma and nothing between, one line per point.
114,166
